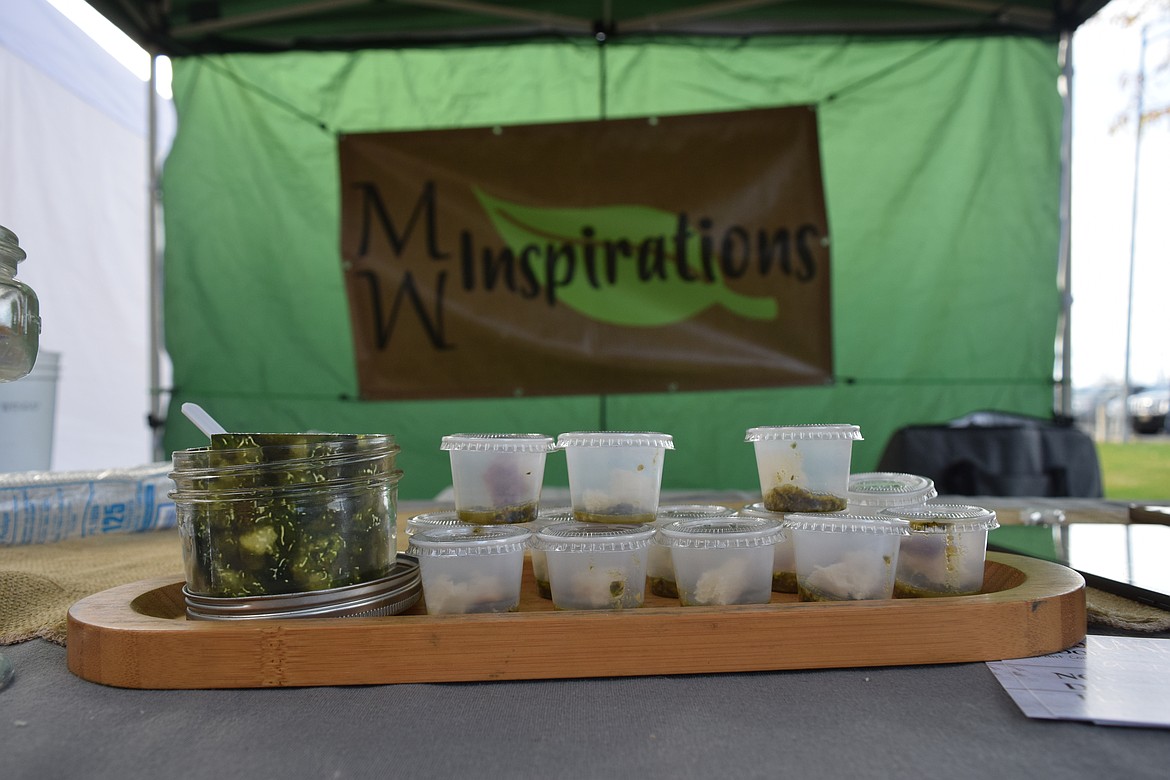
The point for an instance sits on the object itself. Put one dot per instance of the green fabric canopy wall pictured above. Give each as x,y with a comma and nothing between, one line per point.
941,160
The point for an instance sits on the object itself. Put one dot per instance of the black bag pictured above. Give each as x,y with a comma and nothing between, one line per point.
998,454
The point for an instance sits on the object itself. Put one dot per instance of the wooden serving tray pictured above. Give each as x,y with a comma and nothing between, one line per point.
137,636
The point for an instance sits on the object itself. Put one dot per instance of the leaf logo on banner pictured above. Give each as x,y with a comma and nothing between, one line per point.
628,300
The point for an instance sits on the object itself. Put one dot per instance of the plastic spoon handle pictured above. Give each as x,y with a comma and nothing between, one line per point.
203,421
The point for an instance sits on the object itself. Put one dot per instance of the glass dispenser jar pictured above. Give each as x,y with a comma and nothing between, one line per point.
20,318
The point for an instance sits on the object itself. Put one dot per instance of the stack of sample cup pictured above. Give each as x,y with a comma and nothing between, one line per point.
597,557
802,468
472,559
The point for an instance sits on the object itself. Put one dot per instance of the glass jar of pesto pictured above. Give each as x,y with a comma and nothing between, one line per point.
268,514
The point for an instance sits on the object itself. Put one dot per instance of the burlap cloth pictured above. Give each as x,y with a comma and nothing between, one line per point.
38,583
1108,609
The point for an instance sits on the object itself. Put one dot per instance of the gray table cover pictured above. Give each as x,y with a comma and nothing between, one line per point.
945,721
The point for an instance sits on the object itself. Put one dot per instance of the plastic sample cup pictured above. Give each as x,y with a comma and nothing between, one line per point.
783,554
874,491
470,568
804,468
945,551
659,567
615,476
842,557
538,556
722,560
596,565
497,477
443,518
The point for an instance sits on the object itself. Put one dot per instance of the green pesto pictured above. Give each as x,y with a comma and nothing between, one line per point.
660,586
620,514
792,498
508,515
784,582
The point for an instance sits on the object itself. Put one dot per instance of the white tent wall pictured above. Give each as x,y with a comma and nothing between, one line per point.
74,188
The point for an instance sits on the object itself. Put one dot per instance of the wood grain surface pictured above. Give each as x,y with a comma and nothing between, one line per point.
137,636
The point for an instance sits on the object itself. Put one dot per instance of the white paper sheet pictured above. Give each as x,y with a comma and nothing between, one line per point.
1115,681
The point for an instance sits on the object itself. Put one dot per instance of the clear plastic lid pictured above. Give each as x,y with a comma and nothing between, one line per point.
720,532
683,511
941,518
883,489
547,517
459,540
442,518
804,433
498,442
592,537
759,510
843,523
615,439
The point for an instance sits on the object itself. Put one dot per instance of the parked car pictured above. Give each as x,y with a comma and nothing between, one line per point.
1147,410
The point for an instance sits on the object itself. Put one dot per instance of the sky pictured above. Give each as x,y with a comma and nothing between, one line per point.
1106,238
1106,59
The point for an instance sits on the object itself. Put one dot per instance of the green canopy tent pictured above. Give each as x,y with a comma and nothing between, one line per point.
944,151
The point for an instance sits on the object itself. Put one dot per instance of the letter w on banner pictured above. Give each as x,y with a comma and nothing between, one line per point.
619,256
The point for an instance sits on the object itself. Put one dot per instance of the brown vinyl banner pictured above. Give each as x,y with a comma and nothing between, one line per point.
618,256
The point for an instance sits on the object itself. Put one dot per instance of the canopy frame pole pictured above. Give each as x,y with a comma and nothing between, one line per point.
156,418
1063,400
1033,18
1133,230
226,24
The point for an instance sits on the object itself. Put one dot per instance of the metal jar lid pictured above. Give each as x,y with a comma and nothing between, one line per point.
389,595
